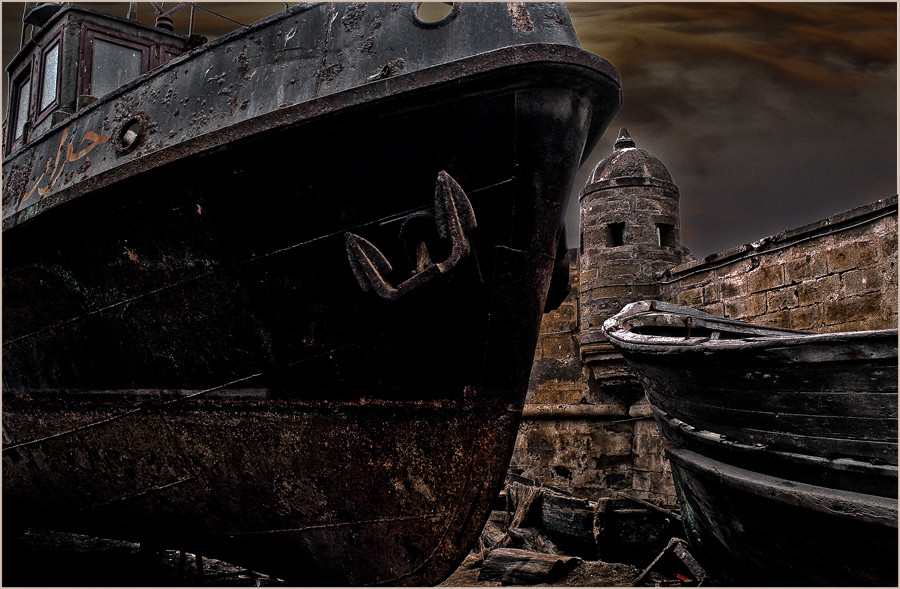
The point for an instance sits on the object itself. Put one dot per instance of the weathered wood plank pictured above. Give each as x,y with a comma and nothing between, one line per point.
851,427
853,475
511,566
880,452
569,522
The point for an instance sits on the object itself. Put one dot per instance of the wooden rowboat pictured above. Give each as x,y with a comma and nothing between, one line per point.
783,444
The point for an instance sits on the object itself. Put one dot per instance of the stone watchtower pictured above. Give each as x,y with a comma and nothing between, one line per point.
630,234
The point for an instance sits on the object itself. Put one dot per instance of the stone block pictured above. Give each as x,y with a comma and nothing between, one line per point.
886,237
557,346
749,306
590,274
702,277
653,206
717,308
861,280
556,392
862,324
852,309
711,293
818,290
783,298
640,409
690,298
808,318
813,247
619,477
561,319
732,287
765,278
776,319
643,480
617,291
649,461
805,267
615,444
851,255
620,272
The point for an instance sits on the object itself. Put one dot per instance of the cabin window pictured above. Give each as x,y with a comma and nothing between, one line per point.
23,99
616,235
49,77
666,235
113,65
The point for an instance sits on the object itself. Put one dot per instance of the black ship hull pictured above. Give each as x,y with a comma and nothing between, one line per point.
198,350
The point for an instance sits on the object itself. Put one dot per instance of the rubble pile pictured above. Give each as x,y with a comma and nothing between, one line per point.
540,535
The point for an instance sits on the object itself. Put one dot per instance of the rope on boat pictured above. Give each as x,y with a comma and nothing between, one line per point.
204,9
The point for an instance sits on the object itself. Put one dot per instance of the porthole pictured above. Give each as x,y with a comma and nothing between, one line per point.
434,14
130,134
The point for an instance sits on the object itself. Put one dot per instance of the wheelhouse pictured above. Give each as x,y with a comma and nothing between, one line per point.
76,57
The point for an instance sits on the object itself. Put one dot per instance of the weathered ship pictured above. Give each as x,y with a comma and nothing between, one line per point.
783,444
274,298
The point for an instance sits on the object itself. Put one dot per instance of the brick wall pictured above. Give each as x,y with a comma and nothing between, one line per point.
838,274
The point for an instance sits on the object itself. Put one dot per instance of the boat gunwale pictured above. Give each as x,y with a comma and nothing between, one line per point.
619,329
568,61
845,504
722,442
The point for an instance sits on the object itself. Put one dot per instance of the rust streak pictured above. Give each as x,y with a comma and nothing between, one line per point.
368,522
439,545
147,491
328,35
521,17
124,414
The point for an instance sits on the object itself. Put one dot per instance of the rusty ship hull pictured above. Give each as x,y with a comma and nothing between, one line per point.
783,444
297,339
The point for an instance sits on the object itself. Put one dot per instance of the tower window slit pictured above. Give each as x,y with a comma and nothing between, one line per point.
616,234
666,235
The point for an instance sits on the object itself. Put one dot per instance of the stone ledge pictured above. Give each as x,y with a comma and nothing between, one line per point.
865,214
580,412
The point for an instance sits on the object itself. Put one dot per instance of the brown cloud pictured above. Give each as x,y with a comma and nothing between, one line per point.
769,116
819,44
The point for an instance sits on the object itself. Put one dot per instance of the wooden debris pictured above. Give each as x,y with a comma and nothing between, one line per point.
532,539
511,566
626,530
569,522
675,562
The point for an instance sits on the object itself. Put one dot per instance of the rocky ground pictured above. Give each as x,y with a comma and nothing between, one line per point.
43,559
535,537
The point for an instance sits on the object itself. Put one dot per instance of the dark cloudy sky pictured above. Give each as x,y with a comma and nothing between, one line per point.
769,116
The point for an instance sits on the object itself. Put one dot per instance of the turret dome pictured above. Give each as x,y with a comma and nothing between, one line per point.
627,161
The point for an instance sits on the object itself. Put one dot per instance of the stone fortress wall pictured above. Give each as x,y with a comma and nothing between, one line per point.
586,425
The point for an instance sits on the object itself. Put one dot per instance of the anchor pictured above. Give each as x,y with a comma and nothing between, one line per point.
453,217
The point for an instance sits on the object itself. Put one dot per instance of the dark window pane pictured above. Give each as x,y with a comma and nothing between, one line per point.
50,75
22,101
113,66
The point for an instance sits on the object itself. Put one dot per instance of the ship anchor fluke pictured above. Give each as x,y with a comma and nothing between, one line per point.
453,218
